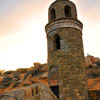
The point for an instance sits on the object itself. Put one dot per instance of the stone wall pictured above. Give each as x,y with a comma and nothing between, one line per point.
32,92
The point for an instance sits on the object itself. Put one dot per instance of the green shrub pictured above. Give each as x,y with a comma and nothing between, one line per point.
1,86
6,84
6,79
16,76
16,84
16,73
32,72
35,72
93,75
98,63
22,70
26,75
8,72
26,84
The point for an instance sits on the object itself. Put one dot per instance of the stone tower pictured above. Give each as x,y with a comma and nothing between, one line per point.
67,77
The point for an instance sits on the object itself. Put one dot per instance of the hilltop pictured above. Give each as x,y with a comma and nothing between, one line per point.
23,77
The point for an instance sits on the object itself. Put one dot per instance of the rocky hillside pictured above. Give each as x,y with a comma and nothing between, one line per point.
10,80
93,74
23,77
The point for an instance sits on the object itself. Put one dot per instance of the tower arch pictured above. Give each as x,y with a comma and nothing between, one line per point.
52,14
57,44
67,10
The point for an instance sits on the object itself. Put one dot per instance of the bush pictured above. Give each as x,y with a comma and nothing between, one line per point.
1,86
32,72
16,73
16,76
6,81
26,84
22,70
8,72
16,84
98,63
35,72
6,84
93,75
26,75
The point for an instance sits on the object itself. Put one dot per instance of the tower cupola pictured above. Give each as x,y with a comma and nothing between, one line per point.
62,9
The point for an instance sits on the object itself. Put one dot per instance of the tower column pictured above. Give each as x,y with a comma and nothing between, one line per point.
67,73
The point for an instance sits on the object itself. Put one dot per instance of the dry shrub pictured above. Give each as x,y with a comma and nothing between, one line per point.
8,72
22,70
16,84
6,82
34,72
16,75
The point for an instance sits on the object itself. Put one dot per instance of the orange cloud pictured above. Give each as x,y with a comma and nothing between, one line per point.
19,14
20,33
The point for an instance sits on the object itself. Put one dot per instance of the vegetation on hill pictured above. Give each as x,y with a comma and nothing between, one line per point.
23,77
39,74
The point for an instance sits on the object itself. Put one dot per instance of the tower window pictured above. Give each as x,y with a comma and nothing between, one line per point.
57,41
68,11
52,15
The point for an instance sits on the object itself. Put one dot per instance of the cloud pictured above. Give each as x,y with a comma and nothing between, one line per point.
88,13
17,12
87,4
22,34
89,10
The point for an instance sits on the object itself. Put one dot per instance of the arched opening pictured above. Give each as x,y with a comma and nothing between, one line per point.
68,12
57,42
55,90
52,15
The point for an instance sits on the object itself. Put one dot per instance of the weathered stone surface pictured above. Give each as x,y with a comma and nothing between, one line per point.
70,63
65,31
32,92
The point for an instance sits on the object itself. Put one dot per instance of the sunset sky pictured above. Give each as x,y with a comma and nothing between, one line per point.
22,32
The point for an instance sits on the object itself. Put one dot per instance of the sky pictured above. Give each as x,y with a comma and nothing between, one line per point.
22,31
